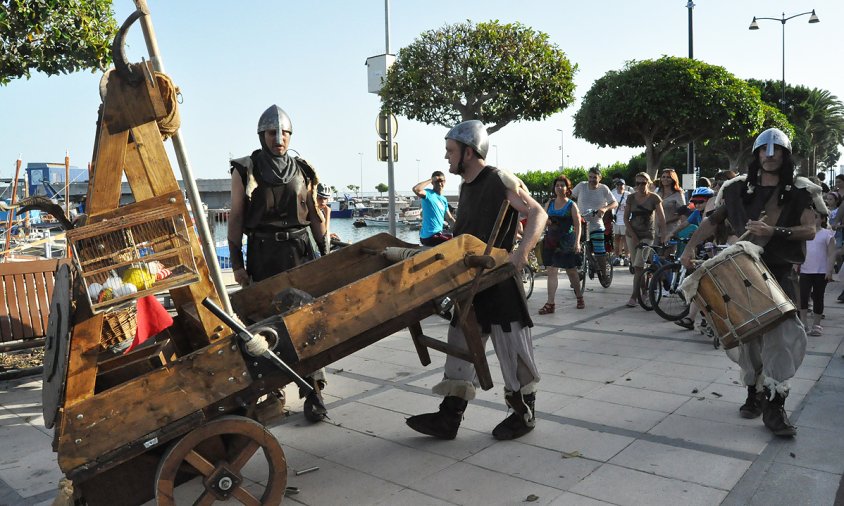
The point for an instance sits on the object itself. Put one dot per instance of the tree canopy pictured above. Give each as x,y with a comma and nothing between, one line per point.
665,103
53,36
496,73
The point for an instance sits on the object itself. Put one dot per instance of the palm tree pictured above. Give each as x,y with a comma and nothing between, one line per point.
824,128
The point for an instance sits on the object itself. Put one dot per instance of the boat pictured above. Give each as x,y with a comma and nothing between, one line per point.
381,220
347,207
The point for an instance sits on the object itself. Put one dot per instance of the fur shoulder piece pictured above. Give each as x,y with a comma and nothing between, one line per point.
719,199
815,191
511,182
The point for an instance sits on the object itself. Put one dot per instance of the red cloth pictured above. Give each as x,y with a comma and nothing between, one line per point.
152,319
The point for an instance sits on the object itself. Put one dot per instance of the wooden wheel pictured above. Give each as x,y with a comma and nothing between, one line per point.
217,451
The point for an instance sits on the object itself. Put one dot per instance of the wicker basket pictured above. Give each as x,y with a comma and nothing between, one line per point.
119,326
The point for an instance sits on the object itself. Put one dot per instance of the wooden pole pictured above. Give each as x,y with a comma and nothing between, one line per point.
67,194
12,210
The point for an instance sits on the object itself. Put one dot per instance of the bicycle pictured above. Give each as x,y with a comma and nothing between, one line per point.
528,272
663,291
654,259
589,261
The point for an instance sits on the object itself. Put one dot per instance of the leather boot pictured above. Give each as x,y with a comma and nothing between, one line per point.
750,409
521,421
774,416
444,423
314,407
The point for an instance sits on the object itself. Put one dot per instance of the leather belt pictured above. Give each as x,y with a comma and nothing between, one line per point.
281,235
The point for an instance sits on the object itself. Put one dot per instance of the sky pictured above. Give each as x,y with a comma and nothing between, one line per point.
232,60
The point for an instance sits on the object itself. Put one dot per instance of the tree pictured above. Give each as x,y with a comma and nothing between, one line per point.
496,73
737,147
54,37
662,104
353,188
381,188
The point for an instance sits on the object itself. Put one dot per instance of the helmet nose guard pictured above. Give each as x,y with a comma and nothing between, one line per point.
471,133
770,138
274,118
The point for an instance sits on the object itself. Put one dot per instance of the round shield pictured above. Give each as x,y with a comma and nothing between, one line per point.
56,346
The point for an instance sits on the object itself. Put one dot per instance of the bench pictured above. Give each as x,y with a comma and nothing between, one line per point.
25,307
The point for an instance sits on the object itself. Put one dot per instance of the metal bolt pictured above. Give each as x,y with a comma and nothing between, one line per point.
254,364
243,373
218,328
219,352
79,416
225,483
234,347
260,375
231,379
78,441
172,200
220,408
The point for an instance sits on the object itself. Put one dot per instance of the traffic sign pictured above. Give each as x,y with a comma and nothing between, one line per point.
382,151
381,125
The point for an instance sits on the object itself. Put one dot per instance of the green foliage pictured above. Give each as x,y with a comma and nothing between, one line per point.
54,36
496,73
540,183
663,104
381,187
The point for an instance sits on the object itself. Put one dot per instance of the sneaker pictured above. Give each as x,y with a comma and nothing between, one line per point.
616,261
817,330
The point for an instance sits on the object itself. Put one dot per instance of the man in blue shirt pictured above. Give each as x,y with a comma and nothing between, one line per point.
434,210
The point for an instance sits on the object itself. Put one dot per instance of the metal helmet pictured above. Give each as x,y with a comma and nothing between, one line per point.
322,190
770,138
471,133
274,118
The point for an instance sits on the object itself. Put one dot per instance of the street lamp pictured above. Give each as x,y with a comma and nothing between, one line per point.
754,26
417,168
562,157
361,174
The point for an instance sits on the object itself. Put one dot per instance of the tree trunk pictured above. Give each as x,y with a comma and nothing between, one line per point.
653,158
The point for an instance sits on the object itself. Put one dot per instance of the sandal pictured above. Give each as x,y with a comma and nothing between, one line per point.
547,308
817,330
580,303
686,323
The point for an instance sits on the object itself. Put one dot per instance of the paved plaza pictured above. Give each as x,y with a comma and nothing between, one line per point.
632,410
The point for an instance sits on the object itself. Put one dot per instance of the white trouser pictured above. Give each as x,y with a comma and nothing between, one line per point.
515,354
774,357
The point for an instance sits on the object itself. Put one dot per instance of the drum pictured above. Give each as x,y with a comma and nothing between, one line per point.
741,297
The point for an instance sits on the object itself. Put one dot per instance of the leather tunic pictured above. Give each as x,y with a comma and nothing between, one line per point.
275,207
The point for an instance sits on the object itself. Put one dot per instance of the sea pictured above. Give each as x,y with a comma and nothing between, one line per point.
343,227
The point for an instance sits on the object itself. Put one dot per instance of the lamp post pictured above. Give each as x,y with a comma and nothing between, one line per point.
418,161
690,151
754,26
361,174
562,156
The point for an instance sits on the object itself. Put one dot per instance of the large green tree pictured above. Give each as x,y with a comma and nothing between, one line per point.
665,103
54,36
736,147
496,73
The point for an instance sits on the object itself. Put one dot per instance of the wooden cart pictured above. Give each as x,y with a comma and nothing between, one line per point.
132,427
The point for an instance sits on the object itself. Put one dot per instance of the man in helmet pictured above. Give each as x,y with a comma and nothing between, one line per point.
273,203
769,361
434,210
501,311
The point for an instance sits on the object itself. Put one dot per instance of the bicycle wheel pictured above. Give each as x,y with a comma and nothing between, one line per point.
666,299
527,280
606,279
645,281
582,269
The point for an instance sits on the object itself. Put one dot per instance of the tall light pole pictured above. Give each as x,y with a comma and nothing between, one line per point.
690,152
361,173
418,161
562,155
754,26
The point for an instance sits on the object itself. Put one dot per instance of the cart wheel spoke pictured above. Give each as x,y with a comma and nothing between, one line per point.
243,495
245,454
242,438
199,463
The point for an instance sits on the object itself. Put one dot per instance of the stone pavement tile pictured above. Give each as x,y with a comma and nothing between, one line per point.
618,348
590,358
584,372
795,486
815,449
408,496
391,462
570,499
650,381
638,398
735,393
376,369
567,386
815,361
535,464
406,357
623,486
561,437
716,410
809,373
341,387
468,485
683,371
27,462
835,367
824,408
612,415
24,391
719,434
688,465
718,361
318,439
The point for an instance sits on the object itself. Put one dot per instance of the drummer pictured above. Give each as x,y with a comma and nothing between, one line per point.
768,362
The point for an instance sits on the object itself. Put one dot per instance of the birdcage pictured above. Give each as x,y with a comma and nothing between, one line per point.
141,253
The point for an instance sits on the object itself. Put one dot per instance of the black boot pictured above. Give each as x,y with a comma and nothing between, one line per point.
314,407
774,416
444,423
750,409
521,421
